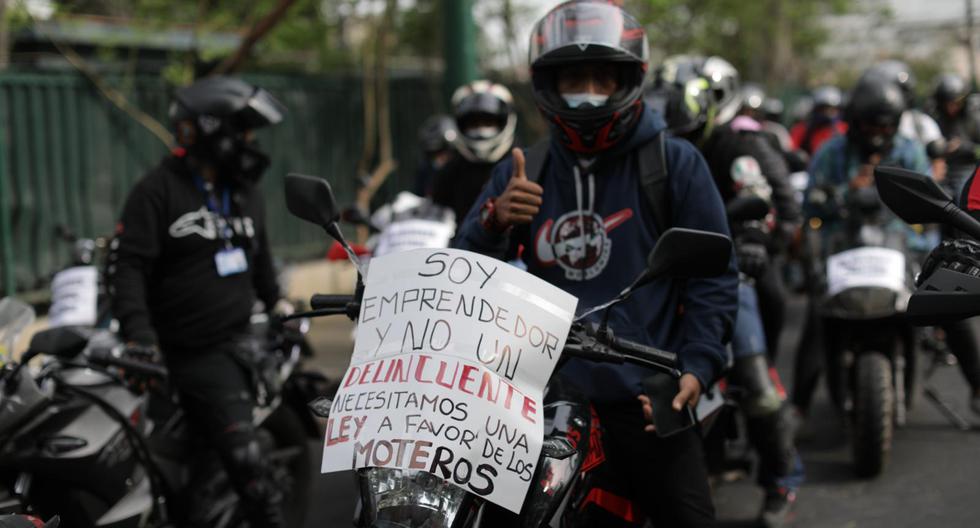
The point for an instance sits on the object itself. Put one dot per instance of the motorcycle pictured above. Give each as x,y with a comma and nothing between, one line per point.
571,484
77,438
870,347
78,292
949,294
409,222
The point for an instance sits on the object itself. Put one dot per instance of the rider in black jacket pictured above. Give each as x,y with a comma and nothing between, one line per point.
190,259
743,161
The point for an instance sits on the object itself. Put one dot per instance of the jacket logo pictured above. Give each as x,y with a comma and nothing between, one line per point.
206,224
578,242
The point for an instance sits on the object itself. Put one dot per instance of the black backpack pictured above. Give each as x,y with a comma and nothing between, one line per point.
653,176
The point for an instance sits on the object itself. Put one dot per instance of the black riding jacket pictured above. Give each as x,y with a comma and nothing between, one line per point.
727,144
163,276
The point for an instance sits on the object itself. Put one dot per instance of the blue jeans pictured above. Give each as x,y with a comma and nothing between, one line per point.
749,339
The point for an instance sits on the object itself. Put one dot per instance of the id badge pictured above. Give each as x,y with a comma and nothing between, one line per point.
230,261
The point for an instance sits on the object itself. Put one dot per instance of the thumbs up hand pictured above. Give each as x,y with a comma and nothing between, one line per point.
521,200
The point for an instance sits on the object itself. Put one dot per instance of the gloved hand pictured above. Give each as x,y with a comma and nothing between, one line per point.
961,254
753,258
144,353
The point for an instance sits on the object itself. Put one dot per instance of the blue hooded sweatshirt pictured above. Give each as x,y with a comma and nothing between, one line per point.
592,237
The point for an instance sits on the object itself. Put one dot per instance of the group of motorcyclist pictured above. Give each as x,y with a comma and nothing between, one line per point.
629,155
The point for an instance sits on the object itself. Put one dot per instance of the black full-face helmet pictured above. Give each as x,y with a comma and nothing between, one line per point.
950,88
588,32
221,111
873,114
897,72
699,93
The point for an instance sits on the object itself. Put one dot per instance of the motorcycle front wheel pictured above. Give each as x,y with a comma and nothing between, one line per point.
874,402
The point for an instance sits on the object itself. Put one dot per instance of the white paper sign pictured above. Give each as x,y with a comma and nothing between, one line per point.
74,297
452,354
866,266
406,235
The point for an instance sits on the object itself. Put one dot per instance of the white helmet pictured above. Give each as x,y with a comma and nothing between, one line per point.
486,120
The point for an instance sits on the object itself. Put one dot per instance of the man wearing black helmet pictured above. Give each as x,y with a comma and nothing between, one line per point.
847,163
702,96
915,124
486,122
587,207
437,139
190,258
959,121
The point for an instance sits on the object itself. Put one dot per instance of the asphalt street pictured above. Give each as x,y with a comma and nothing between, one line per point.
933,478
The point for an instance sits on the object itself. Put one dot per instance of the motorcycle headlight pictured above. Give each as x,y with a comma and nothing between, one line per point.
396,498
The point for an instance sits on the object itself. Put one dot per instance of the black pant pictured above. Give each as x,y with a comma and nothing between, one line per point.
961,337
771,291
667,477
217,393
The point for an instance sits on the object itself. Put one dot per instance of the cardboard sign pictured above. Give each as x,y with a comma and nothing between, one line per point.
866,266
452,354
74,297
406,235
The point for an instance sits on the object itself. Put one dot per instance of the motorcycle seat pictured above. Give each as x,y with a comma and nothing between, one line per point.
64,341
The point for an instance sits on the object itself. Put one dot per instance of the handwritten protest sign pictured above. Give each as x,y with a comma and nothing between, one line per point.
452,354
74,296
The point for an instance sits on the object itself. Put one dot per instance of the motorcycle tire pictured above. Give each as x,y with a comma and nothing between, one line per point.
874,404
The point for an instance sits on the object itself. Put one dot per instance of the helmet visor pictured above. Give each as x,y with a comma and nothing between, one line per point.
587,31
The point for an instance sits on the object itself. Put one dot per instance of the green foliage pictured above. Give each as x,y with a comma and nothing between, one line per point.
767,40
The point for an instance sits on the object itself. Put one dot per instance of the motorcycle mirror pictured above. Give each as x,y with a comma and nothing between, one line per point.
688,254
918,199
682,254
746,208
311,199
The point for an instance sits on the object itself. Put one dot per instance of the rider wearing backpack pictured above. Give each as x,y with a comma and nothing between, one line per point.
587,207
744,163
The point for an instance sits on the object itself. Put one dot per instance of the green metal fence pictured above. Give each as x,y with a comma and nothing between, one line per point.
68,156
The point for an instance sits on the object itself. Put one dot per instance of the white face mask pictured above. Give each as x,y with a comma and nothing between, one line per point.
575,100
484,132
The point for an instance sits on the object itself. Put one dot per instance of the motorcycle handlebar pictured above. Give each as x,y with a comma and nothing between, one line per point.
589,344
106,358
322,301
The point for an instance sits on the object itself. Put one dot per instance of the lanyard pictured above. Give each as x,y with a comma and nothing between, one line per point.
210,202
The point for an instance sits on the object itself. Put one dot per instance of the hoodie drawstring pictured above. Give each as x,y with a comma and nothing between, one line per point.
582,212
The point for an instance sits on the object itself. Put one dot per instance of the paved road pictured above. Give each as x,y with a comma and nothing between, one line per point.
933,479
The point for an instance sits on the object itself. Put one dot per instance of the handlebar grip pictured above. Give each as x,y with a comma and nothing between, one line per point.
662,357
321,301
104,357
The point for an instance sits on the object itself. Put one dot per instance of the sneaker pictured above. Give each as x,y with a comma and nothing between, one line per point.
777,507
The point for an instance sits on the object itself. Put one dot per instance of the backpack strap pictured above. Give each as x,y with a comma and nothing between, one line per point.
653,181
653,175
534,159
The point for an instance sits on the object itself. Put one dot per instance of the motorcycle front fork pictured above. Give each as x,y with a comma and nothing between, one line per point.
848,361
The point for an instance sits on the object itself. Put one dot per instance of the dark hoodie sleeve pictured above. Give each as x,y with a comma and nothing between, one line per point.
135,251
470,234
776,171
709,304
264,279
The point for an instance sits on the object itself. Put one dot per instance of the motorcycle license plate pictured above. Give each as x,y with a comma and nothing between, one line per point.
74,297
866,267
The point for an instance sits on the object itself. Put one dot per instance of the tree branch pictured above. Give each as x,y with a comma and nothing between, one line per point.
259,30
